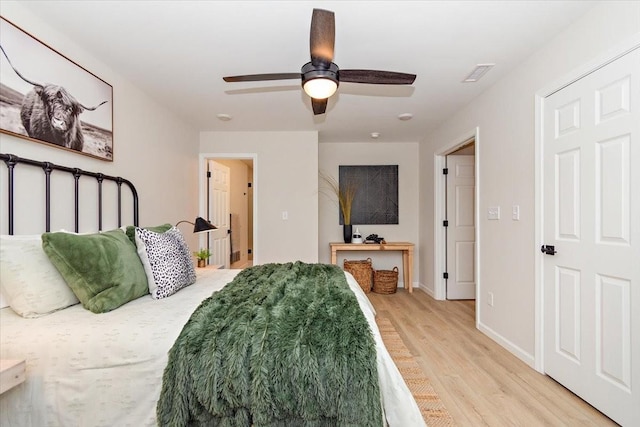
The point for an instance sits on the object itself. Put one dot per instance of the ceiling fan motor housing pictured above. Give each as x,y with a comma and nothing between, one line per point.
321,71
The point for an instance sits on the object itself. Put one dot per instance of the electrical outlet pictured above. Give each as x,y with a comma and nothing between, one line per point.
490,299
515,212
493,212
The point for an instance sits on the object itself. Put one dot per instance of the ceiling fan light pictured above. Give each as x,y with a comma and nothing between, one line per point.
320,88
319,81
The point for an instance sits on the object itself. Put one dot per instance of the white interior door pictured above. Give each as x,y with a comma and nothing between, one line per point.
461,227
591,163
219,201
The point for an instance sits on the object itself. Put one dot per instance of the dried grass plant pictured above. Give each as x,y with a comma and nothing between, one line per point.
345,195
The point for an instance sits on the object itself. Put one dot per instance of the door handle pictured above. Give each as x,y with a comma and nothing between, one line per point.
548,249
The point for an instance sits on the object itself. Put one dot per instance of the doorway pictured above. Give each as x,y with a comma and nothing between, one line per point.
440,214
228,200
460,224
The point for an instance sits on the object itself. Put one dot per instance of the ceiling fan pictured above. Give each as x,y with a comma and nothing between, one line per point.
321,77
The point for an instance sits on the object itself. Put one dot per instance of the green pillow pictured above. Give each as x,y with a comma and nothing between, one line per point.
131,231
103,270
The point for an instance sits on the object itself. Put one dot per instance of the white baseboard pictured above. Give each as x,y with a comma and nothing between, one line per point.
527,358
423,288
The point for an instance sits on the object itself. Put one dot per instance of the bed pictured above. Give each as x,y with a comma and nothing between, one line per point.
107,369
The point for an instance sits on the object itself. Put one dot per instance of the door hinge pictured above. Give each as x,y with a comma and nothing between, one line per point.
445,275
208,174
445,223
445,171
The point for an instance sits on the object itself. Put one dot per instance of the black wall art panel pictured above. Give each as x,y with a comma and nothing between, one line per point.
376,199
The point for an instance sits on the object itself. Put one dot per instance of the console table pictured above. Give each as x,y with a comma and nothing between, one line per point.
405,247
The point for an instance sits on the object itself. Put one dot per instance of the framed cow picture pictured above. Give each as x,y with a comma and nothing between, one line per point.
47,98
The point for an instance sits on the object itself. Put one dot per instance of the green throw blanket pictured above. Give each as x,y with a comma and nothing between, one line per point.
281,345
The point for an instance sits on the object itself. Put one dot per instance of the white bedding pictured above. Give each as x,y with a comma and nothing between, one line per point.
86,369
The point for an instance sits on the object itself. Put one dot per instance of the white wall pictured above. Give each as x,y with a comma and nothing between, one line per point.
505,116
152,148
405,155
287,180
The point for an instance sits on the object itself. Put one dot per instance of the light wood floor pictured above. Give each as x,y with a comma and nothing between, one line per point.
480,383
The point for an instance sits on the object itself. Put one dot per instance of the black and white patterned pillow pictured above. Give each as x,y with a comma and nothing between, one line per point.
166,260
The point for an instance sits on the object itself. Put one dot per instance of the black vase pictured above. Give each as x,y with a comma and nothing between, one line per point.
347,232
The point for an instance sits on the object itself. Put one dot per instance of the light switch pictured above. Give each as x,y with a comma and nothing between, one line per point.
285,215
493,212
515,212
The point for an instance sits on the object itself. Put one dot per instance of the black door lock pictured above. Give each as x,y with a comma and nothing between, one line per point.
548,249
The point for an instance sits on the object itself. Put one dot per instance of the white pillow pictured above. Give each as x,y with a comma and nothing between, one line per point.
30,283
166,260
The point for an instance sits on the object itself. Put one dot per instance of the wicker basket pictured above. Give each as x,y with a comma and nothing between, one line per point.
362,271
385,281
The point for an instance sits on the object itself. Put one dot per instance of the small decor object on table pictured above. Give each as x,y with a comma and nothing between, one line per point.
361,271
347,233
373,238
385,281
357,237
202,255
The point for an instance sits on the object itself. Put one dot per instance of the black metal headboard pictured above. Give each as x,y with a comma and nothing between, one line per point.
47,167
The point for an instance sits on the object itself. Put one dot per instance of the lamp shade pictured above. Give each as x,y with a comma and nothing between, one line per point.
201,225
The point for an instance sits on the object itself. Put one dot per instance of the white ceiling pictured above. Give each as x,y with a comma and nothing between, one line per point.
178,52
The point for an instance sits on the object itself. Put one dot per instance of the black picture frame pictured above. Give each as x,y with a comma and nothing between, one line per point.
376,198
32,73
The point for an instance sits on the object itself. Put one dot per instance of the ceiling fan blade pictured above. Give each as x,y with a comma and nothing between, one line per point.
323,36
319,106
261,77
376,77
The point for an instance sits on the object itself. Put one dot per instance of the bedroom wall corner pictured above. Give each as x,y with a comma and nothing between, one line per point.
153,147
286,164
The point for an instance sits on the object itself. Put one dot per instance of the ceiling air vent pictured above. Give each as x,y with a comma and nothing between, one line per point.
477,73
